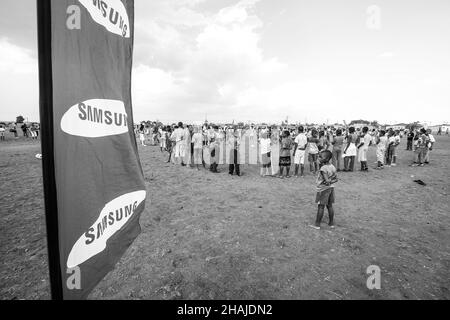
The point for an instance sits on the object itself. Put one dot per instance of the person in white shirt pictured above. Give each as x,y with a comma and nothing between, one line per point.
178,136
430,146
264,142
2,133
300,144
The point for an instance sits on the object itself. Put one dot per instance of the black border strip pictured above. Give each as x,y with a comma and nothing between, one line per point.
47,144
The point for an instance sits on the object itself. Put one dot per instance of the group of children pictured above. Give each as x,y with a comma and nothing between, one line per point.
325,149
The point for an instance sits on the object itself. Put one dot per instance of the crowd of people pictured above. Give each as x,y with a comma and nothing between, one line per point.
28,130
274,148
329,150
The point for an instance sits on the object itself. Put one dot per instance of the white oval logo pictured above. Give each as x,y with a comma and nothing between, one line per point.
112,217
109,13
95,118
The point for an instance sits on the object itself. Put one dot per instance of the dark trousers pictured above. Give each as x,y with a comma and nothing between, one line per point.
235,166
409,144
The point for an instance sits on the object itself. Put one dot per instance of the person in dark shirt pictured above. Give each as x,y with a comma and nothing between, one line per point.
410,138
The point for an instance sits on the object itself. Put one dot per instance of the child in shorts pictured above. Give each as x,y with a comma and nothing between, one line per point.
326,178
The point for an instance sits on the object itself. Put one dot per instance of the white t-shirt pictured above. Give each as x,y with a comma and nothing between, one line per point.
301,141
265,145
432,140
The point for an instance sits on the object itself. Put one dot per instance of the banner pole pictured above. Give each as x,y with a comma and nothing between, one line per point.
48,167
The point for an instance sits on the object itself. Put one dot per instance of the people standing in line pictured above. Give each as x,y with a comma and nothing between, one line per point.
338,142
300,143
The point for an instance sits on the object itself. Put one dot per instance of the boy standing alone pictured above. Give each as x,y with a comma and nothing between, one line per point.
325,189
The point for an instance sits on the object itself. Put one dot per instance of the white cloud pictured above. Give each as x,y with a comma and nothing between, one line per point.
18,82
201,63
15,59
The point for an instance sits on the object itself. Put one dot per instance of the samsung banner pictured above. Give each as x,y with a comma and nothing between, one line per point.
98,178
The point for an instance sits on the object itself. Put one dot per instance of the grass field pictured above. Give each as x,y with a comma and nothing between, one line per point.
215,236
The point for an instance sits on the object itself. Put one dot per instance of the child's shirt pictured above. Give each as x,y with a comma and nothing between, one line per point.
330,170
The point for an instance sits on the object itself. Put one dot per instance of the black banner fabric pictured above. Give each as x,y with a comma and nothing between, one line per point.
99,180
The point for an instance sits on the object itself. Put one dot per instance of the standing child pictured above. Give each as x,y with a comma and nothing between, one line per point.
313,151
2,133
394,147
162,139
169,142
390,148
300,144
325,181
285,154
363,148
213,152
264,143
141,134
350,150
381,149
338,142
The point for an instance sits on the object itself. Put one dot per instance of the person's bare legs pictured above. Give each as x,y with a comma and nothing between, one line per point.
330,215
320,210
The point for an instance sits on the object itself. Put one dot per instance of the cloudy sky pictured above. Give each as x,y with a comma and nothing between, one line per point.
264,60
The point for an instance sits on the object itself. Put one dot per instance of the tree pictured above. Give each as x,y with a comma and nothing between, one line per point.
413,125
359,121
20,119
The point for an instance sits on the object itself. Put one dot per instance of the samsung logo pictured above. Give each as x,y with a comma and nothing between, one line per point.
114,215
109,13
95,118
